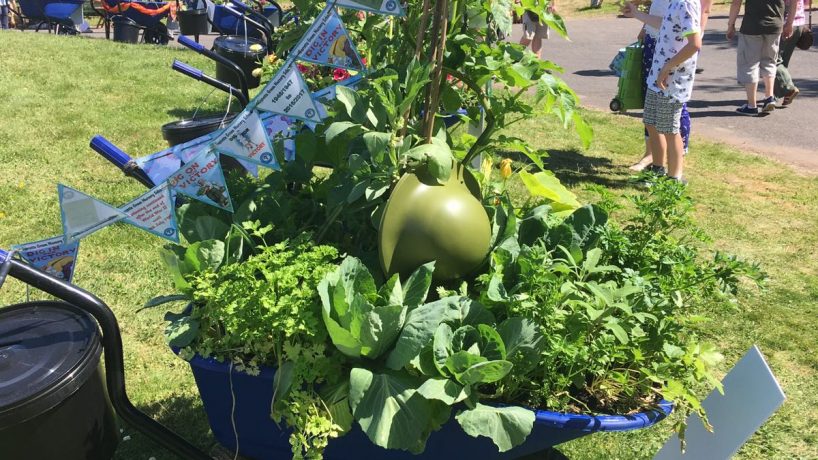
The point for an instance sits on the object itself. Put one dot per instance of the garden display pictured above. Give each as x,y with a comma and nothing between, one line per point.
373,294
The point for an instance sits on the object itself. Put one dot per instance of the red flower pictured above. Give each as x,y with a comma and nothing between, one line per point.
340,74
363,60
302,68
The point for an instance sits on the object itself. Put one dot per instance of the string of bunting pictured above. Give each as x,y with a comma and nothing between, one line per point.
193,168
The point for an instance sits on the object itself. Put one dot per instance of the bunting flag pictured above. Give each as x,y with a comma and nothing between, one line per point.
202,179
160,165
82,214
246,138
288,94
154,212
325,97
51,255
280,124
327,42
390,7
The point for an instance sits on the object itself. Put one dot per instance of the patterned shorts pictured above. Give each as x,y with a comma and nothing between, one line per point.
662,112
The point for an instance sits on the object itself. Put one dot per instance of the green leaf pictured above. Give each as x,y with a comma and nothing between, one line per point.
417,286
163,299
617,330
341,338
460,361
392,291
523,340
545,184
534,226
176,265
437,157
340,127
336,397
441,348
485,372
422,322
501,13
389,409
377,144
492,346
444,390
181,330
583,129
382,326
507,427
205,255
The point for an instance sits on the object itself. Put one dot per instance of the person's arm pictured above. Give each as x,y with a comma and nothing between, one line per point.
694,44
706,4
630,10
552,7
735,7
792,5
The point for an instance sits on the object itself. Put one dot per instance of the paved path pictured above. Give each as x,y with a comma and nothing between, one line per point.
789,134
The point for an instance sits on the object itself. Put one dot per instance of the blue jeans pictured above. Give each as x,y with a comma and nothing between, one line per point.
4,17
649,47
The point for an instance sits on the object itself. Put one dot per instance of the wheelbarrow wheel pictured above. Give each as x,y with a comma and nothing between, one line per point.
157,35
615,105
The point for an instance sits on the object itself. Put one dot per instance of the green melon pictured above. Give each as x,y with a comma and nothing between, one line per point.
425,221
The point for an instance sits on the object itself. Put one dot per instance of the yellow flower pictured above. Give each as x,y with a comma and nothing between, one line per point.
21,185
505,168
2,214
255,47
272,58
257,72
485,168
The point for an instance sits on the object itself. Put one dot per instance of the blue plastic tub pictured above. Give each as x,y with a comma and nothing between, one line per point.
260,438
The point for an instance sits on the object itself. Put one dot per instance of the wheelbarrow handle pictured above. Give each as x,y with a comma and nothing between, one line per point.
197,47
112,346
260,27
197,74
247,9
120,159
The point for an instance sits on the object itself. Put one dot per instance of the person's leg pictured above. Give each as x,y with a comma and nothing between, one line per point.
684,127
658,146
747,63
767,69
4,17
675,155
648,48
788,45
751,89
651,118
536,44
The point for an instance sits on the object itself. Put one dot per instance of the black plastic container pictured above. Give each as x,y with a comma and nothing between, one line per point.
53,398
126,30
179,132
237,49
192,22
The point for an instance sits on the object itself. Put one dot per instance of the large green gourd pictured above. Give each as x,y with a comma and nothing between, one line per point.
425,221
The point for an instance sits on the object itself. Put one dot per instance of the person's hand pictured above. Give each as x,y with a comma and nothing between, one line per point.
641,36
787,32
628,9
661,80
731,31
552,8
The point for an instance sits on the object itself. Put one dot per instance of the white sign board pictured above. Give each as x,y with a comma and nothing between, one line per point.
751,395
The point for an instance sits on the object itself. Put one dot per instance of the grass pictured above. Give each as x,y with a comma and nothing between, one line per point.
58,92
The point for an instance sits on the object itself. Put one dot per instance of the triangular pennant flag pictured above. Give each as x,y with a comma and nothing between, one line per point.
202,179
325,97
391,7
288,94
189,150
154,212
327,42
278,124
83,214
160,165
52,256
246,138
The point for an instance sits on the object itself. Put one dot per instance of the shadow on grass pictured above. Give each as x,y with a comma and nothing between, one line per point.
572,168
183,415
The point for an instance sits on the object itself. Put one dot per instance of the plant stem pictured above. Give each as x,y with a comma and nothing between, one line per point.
424,21
440,29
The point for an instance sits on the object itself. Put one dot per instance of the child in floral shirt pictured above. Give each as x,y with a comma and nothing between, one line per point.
670,81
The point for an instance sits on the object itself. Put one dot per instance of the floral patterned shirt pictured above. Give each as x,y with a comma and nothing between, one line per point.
681,20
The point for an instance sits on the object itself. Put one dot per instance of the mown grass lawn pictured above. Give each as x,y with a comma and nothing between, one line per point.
58,92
